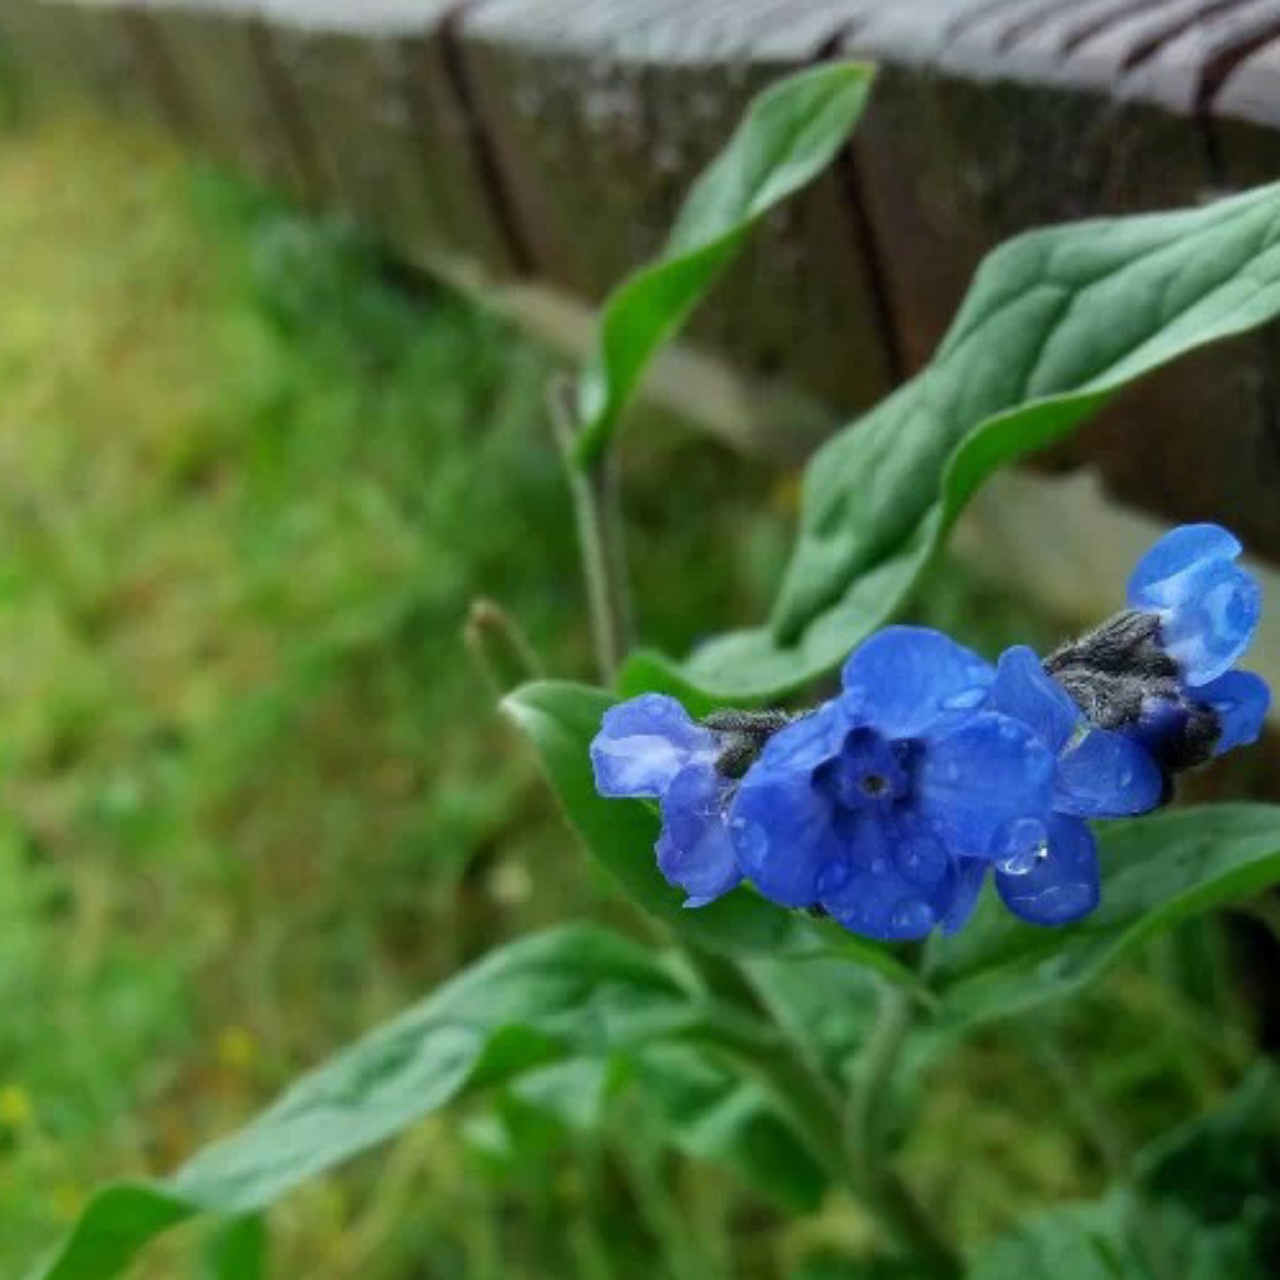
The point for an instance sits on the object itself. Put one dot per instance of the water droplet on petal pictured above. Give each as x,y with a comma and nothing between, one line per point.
965,700
1022,845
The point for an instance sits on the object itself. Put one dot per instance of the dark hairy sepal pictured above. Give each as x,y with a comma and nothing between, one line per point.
742,736
1119,671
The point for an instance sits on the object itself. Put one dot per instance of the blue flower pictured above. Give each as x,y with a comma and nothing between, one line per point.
877,806
651,747
1208,609
1048,871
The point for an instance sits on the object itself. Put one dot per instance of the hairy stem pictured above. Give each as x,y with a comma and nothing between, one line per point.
597,507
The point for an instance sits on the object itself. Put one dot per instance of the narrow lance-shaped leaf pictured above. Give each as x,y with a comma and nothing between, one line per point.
576,990
791,132
1056,323
560,719
1156,872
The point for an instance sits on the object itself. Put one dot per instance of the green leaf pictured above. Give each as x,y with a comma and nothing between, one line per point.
1156,872
576,990
1219,1163
791,132
1055,324
238,1251
715,1115
560,719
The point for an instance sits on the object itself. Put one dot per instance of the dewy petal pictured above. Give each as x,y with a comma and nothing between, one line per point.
904,678
1182,549
808,742
1241,700
1207,618
979,777
971,875
896,883
782,830
1026,692
644,743
1107,775
695,850
1061,887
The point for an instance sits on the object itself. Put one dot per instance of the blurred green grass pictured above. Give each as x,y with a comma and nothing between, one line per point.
253,796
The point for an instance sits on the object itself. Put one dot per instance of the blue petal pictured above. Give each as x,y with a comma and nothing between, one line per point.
1061,887
971,875
784,835
904,678
644,743
695,850
806,743
1182,549
895,882
976,779
1107,775
1241,700
1208,615
1026,692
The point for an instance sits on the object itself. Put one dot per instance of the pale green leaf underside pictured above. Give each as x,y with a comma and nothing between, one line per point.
575,990
791,132
1055,323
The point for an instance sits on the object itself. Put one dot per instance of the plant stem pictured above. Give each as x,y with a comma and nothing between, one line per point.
594,487
866,1142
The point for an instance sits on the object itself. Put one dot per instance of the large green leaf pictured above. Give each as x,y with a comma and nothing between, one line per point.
1157,872
791,132
560,719
575,990
1056,322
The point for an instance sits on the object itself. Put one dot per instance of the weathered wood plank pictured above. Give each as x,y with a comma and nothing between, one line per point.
221,61
375,86
603,112
60,51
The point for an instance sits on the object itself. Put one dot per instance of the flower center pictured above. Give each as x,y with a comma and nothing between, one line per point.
868,773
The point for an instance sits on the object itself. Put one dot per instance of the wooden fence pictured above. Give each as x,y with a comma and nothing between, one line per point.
535,150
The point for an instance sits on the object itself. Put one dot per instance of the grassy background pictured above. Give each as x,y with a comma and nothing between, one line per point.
253,796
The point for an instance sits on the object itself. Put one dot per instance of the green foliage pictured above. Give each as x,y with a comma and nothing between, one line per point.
1024,363
713,1114
238,1251
577,990
791,132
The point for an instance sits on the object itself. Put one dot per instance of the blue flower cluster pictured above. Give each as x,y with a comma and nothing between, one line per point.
887,807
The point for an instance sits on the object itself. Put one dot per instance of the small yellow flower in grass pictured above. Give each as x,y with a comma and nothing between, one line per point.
237,1048
16,1111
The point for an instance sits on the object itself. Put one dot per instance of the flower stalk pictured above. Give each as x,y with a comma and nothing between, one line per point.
597,506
